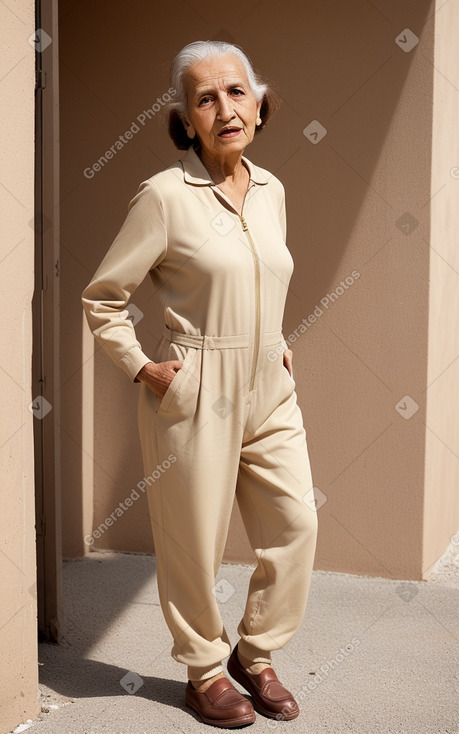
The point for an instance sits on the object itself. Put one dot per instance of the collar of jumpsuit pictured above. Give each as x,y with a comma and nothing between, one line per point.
194,171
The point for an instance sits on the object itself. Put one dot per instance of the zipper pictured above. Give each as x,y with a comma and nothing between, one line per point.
256,262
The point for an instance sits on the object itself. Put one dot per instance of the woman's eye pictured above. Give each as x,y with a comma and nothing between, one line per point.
237,91
204,100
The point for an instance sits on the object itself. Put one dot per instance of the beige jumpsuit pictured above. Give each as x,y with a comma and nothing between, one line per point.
229,422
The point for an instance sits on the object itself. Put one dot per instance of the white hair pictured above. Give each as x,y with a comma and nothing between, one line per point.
201,51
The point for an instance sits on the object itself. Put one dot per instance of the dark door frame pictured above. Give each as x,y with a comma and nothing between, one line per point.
45,309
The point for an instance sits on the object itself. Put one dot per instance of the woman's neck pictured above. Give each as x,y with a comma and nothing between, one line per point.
229,169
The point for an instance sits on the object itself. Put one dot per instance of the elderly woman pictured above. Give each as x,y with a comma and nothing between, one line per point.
217,406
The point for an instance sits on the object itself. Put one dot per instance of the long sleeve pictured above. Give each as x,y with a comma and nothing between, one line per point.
140,245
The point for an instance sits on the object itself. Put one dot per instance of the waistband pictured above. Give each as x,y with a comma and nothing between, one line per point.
236,341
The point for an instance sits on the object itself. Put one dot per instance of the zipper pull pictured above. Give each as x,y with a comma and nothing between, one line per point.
244,223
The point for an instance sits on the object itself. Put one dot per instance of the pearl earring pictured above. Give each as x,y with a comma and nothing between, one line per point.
258,120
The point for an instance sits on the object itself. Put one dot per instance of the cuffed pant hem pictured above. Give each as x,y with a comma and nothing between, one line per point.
253,653
204,673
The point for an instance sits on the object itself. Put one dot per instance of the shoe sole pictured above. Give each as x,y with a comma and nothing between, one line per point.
271,714
224,723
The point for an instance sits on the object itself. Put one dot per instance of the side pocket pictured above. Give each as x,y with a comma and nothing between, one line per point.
175,386
291,380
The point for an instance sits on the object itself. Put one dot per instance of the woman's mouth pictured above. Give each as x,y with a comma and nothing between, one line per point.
229,132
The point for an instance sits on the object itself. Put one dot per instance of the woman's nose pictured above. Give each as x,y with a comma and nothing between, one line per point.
225,109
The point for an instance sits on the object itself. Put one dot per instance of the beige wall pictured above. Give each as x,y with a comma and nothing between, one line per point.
441,502
18,626
347,202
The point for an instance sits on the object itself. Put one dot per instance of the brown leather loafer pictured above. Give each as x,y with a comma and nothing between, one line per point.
270,698
220,705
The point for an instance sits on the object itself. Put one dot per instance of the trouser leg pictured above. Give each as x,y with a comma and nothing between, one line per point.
190,508
274,477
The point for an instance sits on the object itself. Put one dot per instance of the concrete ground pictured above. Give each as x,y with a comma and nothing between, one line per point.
373,655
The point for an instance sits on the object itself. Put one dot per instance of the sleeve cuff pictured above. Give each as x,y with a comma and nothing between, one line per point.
133,361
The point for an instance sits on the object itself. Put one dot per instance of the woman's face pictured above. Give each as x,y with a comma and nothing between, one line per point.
222,108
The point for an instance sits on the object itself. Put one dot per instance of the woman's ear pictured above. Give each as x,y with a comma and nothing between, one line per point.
190,131
259,120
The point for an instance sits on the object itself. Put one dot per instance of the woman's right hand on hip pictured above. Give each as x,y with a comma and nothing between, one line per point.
159,375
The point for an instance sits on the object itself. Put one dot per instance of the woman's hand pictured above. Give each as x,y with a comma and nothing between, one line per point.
159,375
288,361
